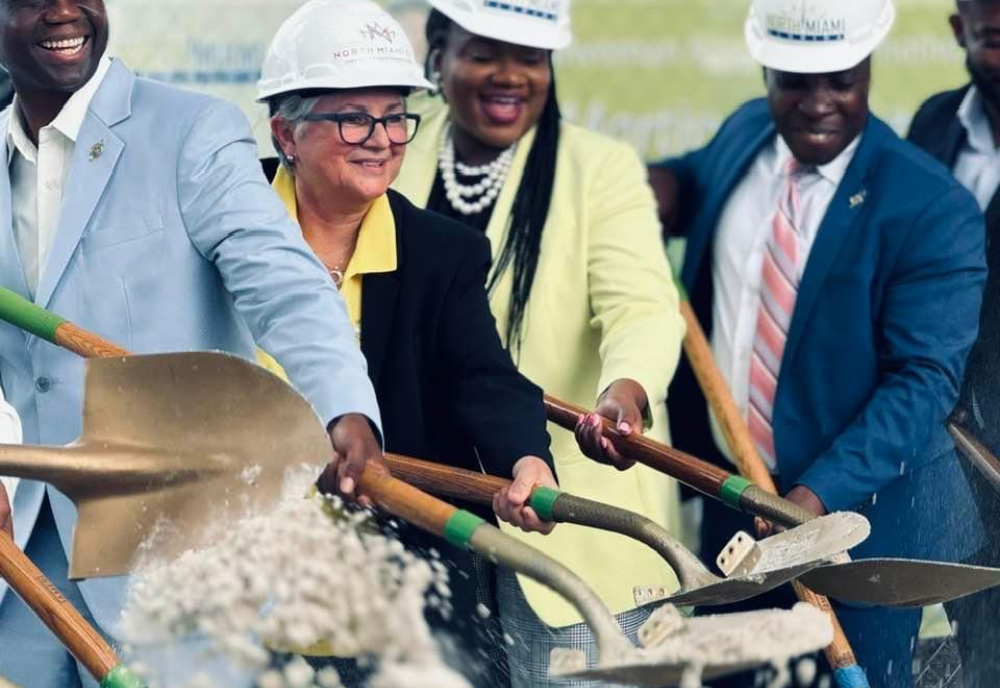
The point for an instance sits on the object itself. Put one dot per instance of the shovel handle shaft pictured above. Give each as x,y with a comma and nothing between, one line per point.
465,530
552,505
88,345
82,640
691,471
839,654
446,481
32,318
977,454
716,391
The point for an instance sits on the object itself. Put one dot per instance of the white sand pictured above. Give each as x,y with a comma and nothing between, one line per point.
307,573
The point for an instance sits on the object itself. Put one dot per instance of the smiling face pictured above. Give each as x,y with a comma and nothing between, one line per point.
497,91
819,115
51,47
326,166
977,29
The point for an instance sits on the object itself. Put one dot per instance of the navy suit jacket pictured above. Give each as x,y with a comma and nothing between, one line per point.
937,129
886,314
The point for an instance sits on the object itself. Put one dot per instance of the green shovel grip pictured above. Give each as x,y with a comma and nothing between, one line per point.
18,311
460,527
122,677
543,499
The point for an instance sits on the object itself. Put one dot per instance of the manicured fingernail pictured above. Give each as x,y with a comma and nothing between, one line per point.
604,442
624,427
595,420
347,485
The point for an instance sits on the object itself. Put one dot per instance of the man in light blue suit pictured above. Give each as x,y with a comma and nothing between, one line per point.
841,271
139,211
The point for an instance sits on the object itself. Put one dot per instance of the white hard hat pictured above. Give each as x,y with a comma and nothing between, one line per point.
335,44
534,23
816,36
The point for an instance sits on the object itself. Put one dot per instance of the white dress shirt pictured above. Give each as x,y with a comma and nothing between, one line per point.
738,252
38,175
978,163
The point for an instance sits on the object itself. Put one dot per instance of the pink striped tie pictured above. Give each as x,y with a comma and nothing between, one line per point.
778,291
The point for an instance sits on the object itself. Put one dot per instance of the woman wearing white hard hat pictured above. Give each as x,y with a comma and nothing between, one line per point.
580,287
336,79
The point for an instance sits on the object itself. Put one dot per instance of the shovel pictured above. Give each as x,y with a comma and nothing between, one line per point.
157,460
887,582
171,440
761,566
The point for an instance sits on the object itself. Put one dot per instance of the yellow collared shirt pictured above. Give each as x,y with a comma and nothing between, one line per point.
375,252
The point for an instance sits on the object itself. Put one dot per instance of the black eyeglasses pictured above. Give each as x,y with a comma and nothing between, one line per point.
357,127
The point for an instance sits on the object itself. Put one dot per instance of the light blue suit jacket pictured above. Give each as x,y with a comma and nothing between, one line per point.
169,240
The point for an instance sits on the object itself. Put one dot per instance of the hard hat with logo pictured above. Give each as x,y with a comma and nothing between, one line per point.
816,36
534,23
336,44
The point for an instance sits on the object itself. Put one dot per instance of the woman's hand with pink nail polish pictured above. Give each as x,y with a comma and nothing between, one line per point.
622,403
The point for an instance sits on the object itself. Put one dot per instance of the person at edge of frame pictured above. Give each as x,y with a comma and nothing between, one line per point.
139,211
839,273
961,128
580,288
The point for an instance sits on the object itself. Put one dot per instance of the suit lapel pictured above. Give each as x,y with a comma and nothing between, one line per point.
845,208
10,259
379,296
702,236
951,143
96,153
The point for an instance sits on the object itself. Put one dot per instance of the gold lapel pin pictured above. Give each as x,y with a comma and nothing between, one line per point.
96,150
858,198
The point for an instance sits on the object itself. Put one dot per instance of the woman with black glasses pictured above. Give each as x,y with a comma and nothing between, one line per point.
335,80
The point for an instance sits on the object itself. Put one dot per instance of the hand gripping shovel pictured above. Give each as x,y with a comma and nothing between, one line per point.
887,582
173,465
656,664
171,440
769,564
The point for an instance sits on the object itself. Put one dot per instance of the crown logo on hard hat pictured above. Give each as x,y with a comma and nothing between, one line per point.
375,30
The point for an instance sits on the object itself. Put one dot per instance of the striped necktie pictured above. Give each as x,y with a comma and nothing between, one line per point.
778,291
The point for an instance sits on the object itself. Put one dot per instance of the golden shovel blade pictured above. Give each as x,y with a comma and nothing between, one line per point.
172,443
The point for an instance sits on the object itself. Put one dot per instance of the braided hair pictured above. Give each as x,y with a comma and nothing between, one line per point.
531,203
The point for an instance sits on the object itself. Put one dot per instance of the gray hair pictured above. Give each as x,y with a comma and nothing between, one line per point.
291,108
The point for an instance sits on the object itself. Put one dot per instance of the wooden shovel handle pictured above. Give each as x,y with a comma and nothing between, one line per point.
405,501
446,481
18,311
716,391
688,469
839,653
38,592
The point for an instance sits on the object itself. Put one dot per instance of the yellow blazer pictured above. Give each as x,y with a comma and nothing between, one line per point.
603,307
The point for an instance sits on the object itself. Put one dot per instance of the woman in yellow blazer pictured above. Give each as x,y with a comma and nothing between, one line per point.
581,288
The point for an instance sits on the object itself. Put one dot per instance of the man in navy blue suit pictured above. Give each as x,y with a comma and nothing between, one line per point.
961,128
839,271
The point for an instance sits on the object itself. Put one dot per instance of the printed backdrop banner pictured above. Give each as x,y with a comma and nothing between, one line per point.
658,73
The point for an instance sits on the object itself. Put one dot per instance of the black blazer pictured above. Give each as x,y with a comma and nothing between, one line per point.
937,129
446,387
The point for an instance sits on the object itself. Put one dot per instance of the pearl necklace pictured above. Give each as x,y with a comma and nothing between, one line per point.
486,191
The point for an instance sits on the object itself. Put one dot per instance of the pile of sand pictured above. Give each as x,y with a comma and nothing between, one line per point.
308,573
